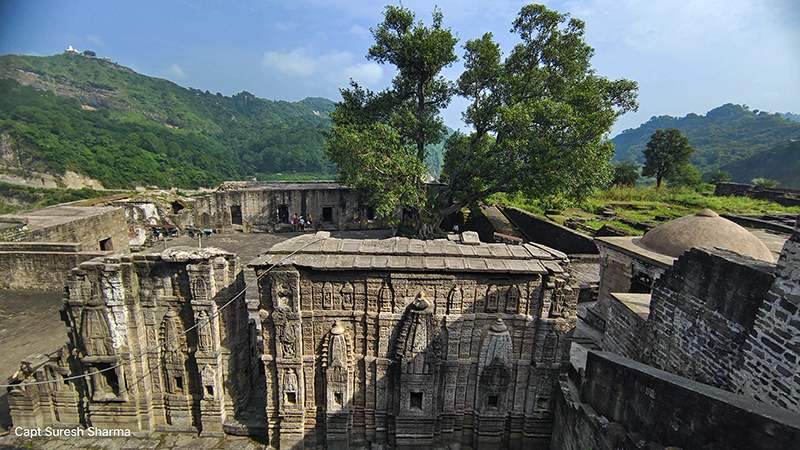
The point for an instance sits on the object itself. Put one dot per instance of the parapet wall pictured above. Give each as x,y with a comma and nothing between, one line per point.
43,266
550,234
624,404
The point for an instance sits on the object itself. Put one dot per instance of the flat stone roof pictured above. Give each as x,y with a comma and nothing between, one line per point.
57,215
464,253
279,185
639,304
629,245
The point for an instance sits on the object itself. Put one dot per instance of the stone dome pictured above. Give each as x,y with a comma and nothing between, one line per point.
704,229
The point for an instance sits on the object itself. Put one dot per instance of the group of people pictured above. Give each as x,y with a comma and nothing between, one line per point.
301,223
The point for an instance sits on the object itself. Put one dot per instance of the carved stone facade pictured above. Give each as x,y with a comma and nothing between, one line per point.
197,362
412,344
391,343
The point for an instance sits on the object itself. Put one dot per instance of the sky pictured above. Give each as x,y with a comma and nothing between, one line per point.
688,56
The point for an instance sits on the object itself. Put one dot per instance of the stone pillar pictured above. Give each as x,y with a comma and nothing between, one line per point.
284,286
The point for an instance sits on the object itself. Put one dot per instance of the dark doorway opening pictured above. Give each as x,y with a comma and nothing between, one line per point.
283,213
415,402
641,284
236,214
106,245
327,213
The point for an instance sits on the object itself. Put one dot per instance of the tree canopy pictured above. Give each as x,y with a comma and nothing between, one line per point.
666,155
539,117
378,140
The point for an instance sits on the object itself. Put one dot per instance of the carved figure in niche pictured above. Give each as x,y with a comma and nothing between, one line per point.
337,359
290,380
347,297
95,331
557,303
204,338
454,302
285,297
386,298
550,347
288,340
327,296
199,289
512,300
492,299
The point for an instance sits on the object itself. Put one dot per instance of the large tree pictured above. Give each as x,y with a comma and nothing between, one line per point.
540,117
666,154
378,140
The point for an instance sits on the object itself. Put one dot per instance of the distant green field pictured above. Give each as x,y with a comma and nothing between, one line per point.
643,204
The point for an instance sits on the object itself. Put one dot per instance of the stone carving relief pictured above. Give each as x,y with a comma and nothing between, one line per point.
454,300
492,298
386,299
347,296
494,368
174,351
205,339
512,300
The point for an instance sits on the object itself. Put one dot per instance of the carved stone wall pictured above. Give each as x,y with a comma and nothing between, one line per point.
411,358
196,372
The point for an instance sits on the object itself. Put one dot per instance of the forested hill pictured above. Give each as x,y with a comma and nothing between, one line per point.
724,135
92,116
780,163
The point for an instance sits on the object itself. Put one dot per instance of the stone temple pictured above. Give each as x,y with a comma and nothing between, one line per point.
391,343
450,343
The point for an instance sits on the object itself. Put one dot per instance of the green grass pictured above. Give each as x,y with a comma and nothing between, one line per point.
644,204
15,198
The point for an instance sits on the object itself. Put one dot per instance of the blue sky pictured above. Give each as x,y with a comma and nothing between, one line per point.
686,55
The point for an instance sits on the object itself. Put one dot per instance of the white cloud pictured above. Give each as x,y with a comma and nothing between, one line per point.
334,67
176,71
94,39
284,26
360,31
294,63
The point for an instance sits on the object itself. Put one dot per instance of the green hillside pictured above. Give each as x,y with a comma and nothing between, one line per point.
780,163
724,135
95,117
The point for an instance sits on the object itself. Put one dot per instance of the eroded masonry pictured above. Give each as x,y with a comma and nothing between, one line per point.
390,343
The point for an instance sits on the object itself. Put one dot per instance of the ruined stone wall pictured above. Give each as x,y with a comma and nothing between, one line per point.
412,360
702,310
550,234
772,350
41,266
127,317
627,333
260,208
88,231
618,270
624,405
781,196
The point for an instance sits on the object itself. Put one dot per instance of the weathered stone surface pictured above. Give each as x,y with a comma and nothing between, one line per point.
422,344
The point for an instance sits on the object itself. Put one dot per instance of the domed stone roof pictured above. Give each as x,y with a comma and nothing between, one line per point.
704,229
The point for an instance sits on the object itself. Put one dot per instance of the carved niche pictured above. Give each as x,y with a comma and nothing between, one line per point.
174,354
494,370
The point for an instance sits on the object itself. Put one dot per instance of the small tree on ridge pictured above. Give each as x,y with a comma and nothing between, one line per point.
666,153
